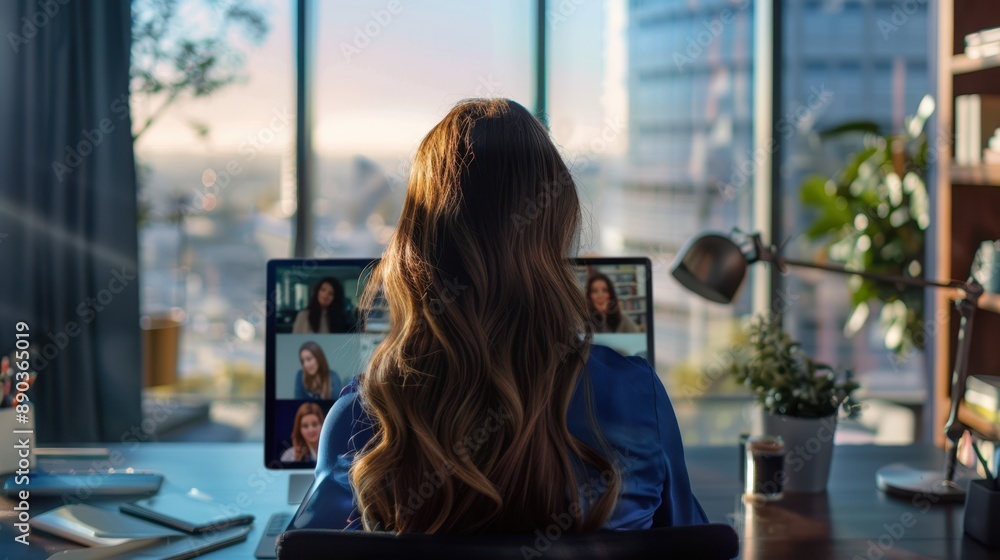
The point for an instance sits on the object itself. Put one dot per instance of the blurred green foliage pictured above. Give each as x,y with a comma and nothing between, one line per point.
873,216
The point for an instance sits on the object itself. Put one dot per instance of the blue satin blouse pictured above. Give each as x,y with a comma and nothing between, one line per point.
632,411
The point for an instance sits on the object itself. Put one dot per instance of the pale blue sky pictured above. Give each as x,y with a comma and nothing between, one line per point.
383,79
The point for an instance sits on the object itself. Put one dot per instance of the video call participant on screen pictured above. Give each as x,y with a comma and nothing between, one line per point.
483,387
605,309
325,313
315,381
305,434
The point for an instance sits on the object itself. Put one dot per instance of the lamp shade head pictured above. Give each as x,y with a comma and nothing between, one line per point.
712,266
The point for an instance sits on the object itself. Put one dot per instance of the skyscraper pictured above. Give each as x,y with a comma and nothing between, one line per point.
691,161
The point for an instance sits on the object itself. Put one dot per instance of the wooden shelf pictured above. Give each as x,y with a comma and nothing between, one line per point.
984,428
962,64
990,302
963,202
985,175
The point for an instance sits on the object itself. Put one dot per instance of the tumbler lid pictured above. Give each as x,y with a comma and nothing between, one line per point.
766,444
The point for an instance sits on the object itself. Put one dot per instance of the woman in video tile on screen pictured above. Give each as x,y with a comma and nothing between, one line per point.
487,408
605,309
305,434
315,381
325,313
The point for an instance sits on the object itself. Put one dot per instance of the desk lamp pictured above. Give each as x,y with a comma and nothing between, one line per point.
714,265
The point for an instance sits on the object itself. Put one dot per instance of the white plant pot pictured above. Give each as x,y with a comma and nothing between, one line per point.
808,449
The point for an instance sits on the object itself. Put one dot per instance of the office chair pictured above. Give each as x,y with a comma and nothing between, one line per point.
697,542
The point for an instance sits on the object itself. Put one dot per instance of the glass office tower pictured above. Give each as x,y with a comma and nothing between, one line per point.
690,70
691,160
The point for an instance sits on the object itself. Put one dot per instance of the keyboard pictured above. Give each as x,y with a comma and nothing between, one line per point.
275,526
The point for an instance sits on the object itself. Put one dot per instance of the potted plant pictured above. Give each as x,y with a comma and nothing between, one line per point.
800,398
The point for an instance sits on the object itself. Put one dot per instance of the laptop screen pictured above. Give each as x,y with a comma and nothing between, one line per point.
315,346
317,342
619,294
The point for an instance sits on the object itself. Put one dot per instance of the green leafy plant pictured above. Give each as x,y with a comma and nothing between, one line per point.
785,379
873,215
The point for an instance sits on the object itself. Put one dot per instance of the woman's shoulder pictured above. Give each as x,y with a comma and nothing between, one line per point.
605,361
627,325
622,396
301,324
622,389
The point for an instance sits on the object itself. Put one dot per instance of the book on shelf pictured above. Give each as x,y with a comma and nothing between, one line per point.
982,397
977,118
983,44
982,400
985,50
990,450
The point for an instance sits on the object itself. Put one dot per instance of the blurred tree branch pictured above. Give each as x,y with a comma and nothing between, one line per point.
176,56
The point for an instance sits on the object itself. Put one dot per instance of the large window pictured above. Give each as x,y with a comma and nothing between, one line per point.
384,74
649,101
213,102
846,62
653,100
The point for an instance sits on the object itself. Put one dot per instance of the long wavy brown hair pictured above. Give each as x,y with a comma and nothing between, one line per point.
470,389
318,384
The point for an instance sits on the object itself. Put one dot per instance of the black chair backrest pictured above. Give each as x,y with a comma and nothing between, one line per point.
697,542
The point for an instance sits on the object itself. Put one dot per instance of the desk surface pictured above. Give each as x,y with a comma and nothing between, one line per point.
850,521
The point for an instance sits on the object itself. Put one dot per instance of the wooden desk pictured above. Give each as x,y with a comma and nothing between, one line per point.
846,522
850,521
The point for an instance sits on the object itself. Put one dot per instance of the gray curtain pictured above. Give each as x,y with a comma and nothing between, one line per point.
68,238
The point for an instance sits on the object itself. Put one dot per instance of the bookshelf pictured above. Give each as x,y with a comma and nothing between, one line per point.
990,302
987,302
964,201
961,64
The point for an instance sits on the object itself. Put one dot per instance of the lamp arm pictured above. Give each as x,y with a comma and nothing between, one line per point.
760,252
953,428
876,276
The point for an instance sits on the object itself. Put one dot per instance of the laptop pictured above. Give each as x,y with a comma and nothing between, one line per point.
317,343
